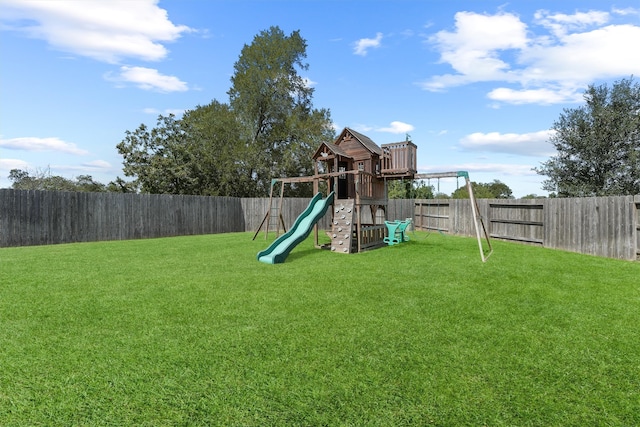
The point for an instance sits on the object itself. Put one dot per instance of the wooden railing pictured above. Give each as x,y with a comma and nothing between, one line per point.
372,236
399,157
368,186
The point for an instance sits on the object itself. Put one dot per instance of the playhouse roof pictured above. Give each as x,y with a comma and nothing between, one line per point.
334,148
337,150
364,140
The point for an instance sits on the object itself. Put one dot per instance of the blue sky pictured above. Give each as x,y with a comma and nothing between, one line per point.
476,84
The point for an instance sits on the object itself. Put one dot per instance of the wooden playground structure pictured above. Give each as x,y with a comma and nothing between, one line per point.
357,170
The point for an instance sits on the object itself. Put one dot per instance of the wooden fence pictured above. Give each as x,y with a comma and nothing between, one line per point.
48,217
603,226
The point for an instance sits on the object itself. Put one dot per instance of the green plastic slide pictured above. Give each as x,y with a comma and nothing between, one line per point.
280,248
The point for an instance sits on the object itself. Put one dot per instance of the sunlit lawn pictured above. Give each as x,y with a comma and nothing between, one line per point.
195,331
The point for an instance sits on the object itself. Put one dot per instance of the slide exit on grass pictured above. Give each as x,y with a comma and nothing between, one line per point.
282,246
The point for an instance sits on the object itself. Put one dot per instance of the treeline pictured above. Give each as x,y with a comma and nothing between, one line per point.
401,189
44,180
409,189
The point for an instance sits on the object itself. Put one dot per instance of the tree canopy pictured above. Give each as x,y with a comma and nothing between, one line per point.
409,189
598,144
269,129
492,190
44,180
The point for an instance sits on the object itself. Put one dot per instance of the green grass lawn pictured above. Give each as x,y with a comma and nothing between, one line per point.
195,331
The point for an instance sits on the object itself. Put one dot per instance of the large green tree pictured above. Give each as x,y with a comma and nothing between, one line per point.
598,144
161,158
218,154
199,154
268,130
273,103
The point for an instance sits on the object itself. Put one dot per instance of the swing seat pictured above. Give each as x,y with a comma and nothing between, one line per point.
402,228
396,232
392,229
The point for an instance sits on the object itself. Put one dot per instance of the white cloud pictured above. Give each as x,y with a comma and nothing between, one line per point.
175,111
560,24
525,144
95,166
42,144
363,45
148,79
625,11
98,164
550,60
308,82
105,30
361,128
473,48
544,96
580,58
397,127
9,164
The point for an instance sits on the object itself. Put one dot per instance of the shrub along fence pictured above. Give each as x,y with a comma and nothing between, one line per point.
603,226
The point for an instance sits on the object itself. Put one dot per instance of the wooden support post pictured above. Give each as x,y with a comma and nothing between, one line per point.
271,214
280,219
267,216
316,188
359,227
478,222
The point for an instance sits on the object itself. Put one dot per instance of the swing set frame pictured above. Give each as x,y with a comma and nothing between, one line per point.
478,221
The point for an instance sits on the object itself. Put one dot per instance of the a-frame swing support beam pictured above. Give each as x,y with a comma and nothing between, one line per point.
475,210
270,214
276,212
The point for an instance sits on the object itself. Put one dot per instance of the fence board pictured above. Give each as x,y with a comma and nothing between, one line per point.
601,226
436,215
518,220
